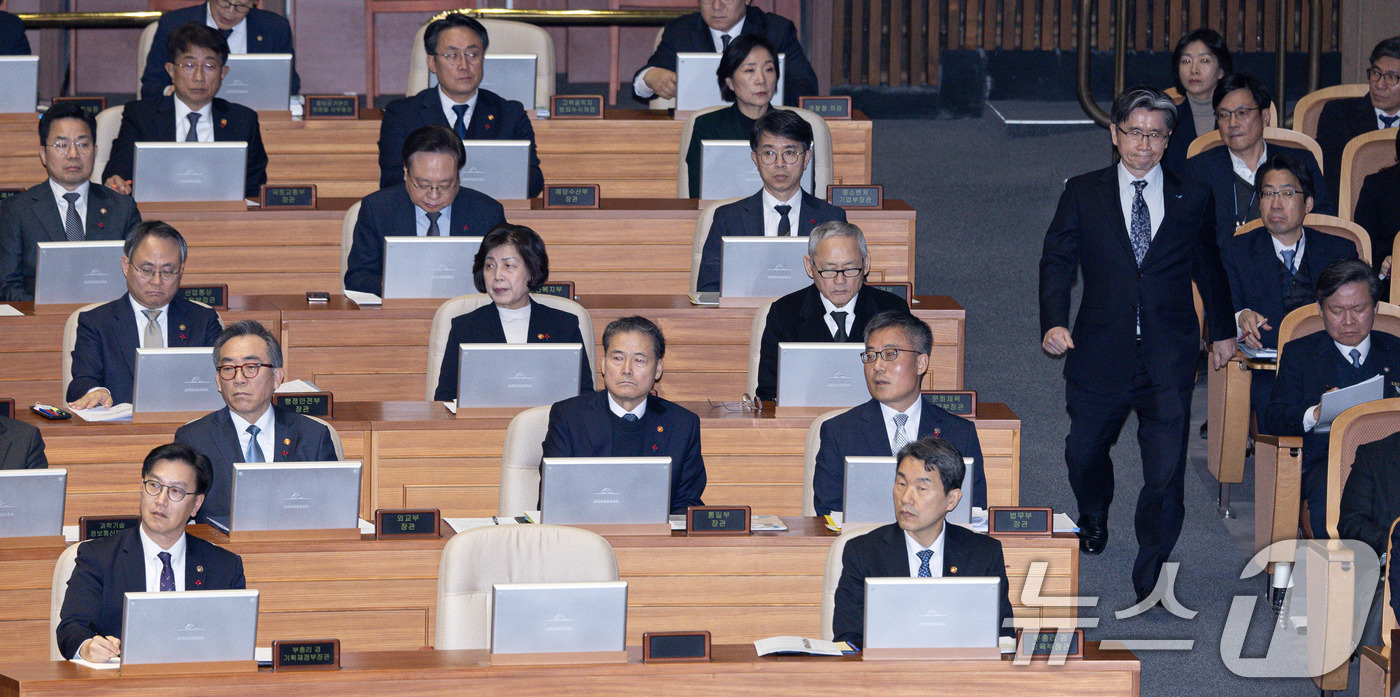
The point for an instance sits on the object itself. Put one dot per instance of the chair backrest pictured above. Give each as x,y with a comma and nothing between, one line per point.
821,151
809,460
832,576
335,436
760,322
1329,224
1275,136
62,570
70,339
1365,155
1359,425
347,240
143,51
506,37
109,122
1309,106
1388,623
702,233
474,560
519,490
1308,319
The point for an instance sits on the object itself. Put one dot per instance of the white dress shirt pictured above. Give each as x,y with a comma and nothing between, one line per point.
163,320
516,323
149,552
204,130
771,219
238,40
267,432
80,204
935,562
911,427
619,412
1309,421
1381,124
850,310
639,84
1241,168
451,114
421,222
1152,194
1278,252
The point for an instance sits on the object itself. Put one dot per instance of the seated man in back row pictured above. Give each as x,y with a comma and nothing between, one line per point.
247,28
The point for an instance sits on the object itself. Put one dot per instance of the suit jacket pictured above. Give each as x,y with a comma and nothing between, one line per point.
21,446
882,553
1371,496
105,352
745,218
860,432
493,118
109,567
726,124
1378,211
483,326
800,316
1253,269
295,438
1088,235
580,427
690,34
390,213
1174,159
33,217
1214,169
13,41
1340,121
267,33
153,120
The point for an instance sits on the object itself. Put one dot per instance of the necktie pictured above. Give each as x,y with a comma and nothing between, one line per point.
1141,231
724,39
901,438
1389,121
840,318
629,417
924,556
152,337
72,224
1355,358
226,32
167,574
254,453
193,135
433,229
784,225
461,125
1288,256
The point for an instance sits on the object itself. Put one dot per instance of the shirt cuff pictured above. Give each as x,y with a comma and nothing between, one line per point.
1308,421
1239,331
93,390
639,85
79,652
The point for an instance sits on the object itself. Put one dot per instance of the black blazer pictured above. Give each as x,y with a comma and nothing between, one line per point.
1174,159
483,326
1088,235
1253,270
494,118
860,432
1340,121
267,33
579,427
105,352
33,217
690,34
13,41
1213,168
882,553
390,213
1371,497
153,120
1378,211
799,316
745,218
296,438
21,446
109,567
725,124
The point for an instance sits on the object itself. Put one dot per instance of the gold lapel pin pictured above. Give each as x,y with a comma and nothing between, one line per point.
660,429
953,570
286,441
103,211
182,327
199,569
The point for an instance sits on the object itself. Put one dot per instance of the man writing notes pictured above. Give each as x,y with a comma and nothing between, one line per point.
1139,236
247,28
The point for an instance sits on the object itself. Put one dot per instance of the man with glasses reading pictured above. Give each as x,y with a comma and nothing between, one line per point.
250,429
247,29
836,307
65,208
150,315
155,556
1344,119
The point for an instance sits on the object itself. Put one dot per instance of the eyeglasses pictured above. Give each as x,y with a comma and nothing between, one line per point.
189,67
1381,77
434,190
62,147
1154,138
249,370
471,57
153,487
1239,114
848,273
1287,194
889,355
147,273
790,157
226,5
720,3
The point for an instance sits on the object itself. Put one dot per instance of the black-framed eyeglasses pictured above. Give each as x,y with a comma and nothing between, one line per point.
250,370
153,487
1239,114
147,273
1154,138
1287,194
1382,77
848,273
889,355
241,7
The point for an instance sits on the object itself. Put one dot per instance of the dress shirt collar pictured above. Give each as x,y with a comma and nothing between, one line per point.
733,33
935,563
81,190
1364,347
1242,169
1380,113
266,427
914,412
420,218
152,564
1279,247
182,120
619,412
849,307
1126,179
451,115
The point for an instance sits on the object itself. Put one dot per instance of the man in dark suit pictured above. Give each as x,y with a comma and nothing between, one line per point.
709,31
13,41
1139,236
836,307
155,556
197,63
1371,496
782,148
247,29
919,543
150,315
1344,119
456,46
897,347
1242,112
1345,353
431,203
625,420
21,446
65,208
249,428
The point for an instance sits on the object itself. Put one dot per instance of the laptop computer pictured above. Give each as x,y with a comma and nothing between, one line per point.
868,490
605,490
189,171
696,86
727,170
293,496
78,272
20,76
189,627
762,267
516,375
821,374
429,267
259,81
175,379
31,502
498,168
510,75
932,613
559,617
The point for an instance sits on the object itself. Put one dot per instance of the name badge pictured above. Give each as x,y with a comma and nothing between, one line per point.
717,520
307,403
7,194
320,654
831,108
90,105
957,402
1020,521
574,106
98,526
871,196
675,647
559,289
214,295
7,408
331,107
1048,643
296,197
572,196
407,523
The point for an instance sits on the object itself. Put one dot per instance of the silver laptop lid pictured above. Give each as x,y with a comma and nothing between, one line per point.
31,502
189,627
498,168
516,375
868,492
932,613
259,81
558,617
821,374
295,496
20,76
511,75
605,490
189,171
696,87
429,267
727,170
762,267
175,379
78,272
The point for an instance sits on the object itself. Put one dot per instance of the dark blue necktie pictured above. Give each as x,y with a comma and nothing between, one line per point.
1141,231
167,574
924,571
1389,121
461,126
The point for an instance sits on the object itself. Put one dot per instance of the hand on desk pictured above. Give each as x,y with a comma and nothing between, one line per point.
1221,352
1251,323
96,398
118,184
1057,341
661,81
100,649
